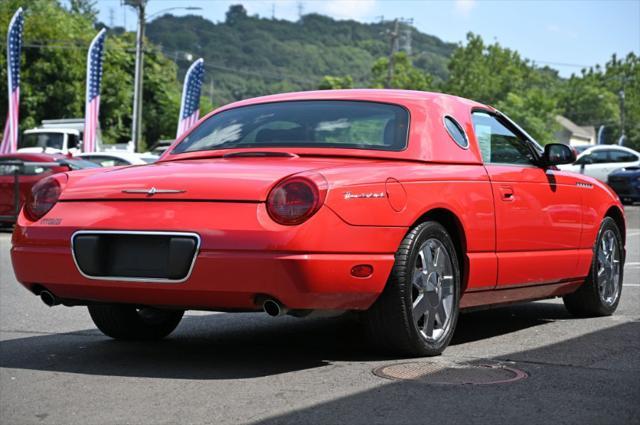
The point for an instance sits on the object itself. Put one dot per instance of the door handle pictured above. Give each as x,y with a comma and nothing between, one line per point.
506,193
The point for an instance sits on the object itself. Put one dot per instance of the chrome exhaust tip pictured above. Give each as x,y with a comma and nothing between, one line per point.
48,298
273,308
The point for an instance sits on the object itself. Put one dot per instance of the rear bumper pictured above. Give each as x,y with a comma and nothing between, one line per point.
239,259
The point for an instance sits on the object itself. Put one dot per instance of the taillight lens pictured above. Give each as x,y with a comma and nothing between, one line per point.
296,199
44,196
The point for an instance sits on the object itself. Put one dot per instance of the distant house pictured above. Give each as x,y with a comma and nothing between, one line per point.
572,134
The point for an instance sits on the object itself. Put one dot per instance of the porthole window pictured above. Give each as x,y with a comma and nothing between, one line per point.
456,132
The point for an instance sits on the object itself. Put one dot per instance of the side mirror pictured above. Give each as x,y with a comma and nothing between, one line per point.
558,153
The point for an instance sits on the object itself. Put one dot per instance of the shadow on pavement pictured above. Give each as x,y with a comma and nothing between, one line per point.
592,379
486,324
241,345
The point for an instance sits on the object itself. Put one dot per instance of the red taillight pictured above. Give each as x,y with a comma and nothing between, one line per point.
44,196
295,199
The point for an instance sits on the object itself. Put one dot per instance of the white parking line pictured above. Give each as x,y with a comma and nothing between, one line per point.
632,284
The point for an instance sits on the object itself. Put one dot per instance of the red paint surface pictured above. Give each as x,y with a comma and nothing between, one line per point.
518,225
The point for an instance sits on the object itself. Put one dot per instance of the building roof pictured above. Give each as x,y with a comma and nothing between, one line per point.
587,132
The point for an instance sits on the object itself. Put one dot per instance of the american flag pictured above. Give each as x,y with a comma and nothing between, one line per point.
14,47
94,77
190,106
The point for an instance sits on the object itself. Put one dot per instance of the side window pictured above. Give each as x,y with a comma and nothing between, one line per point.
456,132
498,144
119,161
26,170
622,156
72,141
600,156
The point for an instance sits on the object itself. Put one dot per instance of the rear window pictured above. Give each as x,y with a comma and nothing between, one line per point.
316,124
79,164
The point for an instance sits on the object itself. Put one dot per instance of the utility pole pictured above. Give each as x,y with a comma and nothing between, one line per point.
395,37
136,121
622,135
211,89
393,41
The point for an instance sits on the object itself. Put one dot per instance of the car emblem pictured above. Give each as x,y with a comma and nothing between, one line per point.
370,195
153,191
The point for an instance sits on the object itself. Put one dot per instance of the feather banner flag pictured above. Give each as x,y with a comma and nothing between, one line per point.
94,78
14,48
190,105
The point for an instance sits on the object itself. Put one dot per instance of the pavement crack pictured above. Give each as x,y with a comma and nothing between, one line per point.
543,363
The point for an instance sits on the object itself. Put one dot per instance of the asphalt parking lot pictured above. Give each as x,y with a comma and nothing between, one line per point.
55,367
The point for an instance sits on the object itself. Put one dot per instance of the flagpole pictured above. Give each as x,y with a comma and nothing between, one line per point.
90,124
10,140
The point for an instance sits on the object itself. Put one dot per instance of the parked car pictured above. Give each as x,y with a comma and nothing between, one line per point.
21,171
406,206
159,147
598,161
113,158
626,183
581,148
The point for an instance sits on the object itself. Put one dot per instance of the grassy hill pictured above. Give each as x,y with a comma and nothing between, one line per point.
249,56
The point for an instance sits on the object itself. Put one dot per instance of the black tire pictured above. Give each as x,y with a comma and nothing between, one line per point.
128,322
587,301
390,321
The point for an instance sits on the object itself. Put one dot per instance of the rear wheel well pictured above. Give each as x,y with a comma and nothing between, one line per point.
454,227
618,217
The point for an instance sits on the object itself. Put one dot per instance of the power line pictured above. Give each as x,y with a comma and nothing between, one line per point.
575,65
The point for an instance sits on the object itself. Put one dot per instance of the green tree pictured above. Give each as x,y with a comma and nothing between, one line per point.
53,72
236,14
486,73
587,101
534,111
329,82
593,98
86,8
405,75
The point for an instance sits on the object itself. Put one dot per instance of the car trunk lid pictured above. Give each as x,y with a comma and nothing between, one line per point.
235,178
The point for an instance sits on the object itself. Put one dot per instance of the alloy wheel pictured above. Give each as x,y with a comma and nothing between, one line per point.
608,270
432,290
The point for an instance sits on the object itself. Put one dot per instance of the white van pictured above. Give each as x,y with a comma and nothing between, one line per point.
43,140
56,136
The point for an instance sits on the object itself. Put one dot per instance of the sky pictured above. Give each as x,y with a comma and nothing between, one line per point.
564,34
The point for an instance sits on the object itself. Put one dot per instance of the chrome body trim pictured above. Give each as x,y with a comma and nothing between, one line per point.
153,191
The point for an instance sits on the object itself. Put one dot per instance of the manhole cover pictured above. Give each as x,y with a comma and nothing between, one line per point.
450,373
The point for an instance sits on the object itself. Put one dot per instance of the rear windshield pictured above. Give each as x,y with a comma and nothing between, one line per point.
79,164
316,124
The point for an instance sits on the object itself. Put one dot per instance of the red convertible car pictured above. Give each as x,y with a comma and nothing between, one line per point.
406,206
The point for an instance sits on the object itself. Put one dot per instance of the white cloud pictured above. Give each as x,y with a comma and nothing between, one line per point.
348,9
464,7
561,31
290,9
